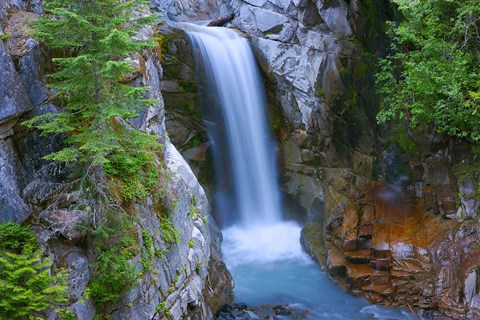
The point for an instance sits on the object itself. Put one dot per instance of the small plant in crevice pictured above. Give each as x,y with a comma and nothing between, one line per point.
116,242
169,233
193,212
162,309
133,174
26,285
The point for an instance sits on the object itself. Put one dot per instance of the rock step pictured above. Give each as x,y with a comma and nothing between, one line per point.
335,241
383,264
401,275
356,244
365,232
358,257
379,289
381,277
358,275
359,270
335,261
381,254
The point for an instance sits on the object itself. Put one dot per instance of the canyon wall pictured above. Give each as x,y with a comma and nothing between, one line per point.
185,278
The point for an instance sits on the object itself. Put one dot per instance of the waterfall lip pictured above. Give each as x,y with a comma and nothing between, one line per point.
199,26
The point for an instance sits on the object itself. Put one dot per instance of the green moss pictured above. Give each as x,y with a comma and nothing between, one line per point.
193,142
66,314
191,110
187,86
169,233
148,243
116,243
403,140
361,70
320,92
5,36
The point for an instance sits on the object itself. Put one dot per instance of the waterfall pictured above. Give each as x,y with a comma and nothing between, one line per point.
262,252
233,76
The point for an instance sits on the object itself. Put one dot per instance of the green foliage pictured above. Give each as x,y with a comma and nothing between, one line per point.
15,238
112,272
403,140
66,314
140,185
431,81
5,36
169,233
134,171
95,38
162,308
193,212
148,243
26,287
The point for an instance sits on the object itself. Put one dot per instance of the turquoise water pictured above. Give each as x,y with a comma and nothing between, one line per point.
268,266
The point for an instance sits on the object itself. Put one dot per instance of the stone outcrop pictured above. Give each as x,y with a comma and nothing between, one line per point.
188,279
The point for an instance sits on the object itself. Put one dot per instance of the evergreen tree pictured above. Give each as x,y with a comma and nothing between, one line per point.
431,81
94,37
26,286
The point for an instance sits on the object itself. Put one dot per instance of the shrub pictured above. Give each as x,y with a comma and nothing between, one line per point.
26,286
431,79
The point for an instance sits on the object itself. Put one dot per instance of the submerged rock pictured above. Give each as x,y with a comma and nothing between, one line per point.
241,311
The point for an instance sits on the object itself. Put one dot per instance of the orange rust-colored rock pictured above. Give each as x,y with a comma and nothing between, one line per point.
390,247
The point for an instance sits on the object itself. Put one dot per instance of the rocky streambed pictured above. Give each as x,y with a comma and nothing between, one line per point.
241,311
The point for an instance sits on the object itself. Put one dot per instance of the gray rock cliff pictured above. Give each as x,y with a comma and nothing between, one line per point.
185,280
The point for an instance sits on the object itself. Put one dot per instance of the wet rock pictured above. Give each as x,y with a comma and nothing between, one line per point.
240,306
469,203
78,273
282,310
242,311
313,242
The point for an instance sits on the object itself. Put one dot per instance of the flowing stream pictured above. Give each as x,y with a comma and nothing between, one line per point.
261,250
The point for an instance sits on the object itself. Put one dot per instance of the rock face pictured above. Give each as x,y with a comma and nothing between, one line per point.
394,213
188,279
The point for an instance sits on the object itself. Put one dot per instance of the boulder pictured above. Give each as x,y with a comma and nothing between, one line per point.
268,21
67,223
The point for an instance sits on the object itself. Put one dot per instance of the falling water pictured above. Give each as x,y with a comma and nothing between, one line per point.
262,252
233,75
